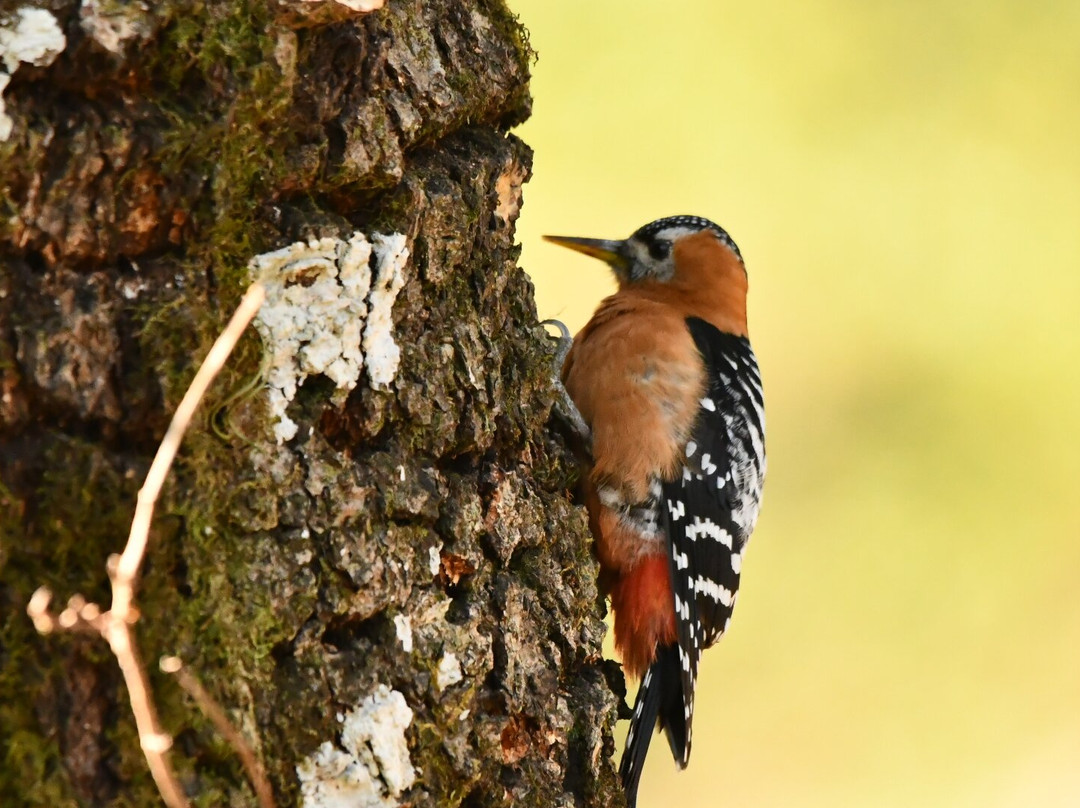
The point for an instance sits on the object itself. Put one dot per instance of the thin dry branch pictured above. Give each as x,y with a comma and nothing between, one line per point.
212,710
115,624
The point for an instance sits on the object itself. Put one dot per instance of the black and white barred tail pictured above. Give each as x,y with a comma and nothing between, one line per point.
658,699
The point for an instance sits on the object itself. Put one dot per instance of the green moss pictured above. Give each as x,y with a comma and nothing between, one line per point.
9,210
11,509
513,29
83,503
32,763
83,507
227,104
441,779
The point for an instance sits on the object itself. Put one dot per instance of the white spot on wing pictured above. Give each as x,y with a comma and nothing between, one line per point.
676,509
707,528
707,465
710,588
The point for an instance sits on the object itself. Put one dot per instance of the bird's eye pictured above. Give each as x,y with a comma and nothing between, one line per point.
659,249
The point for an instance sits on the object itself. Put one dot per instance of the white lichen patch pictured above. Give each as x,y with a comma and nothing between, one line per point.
30,36
113,24
434,560
448,672
6,123
323,313
383,354
403,629
359,6
362,6
371,768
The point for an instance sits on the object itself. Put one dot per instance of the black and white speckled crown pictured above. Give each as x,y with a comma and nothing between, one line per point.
699,222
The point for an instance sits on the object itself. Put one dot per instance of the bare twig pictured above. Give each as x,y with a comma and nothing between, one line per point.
115,624
212,710
131,560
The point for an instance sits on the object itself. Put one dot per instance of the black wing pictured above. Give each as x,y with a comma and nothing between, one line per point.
705,510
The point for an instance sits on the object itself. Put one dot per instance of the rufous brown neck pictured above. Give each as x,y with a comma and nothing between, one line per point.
709,282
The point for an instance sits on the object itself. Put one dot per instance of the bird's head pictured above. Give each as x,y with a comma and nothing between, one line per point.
661,250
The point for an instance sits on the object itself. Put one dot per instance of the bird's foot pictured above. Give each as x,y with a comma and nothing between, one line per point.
568,410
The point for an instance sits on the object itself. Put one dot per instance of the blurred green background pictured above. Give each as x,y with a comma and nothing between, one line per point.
904,181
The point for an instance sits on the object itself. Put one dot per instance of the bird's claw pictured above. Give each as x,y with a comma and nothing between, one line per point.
569,409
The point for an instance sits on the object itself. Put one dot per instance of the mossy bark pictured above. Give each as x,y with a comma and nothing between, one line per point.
148,163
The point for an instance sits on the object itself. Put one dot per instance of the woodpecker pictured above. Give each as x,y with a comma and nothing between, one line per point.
668,393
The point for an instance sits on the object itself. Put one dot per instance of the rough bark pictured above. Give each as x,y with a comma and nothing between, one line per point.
415,538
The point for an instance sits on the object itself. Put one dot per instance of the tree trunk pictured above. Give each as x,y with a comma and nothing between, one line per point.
367,551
